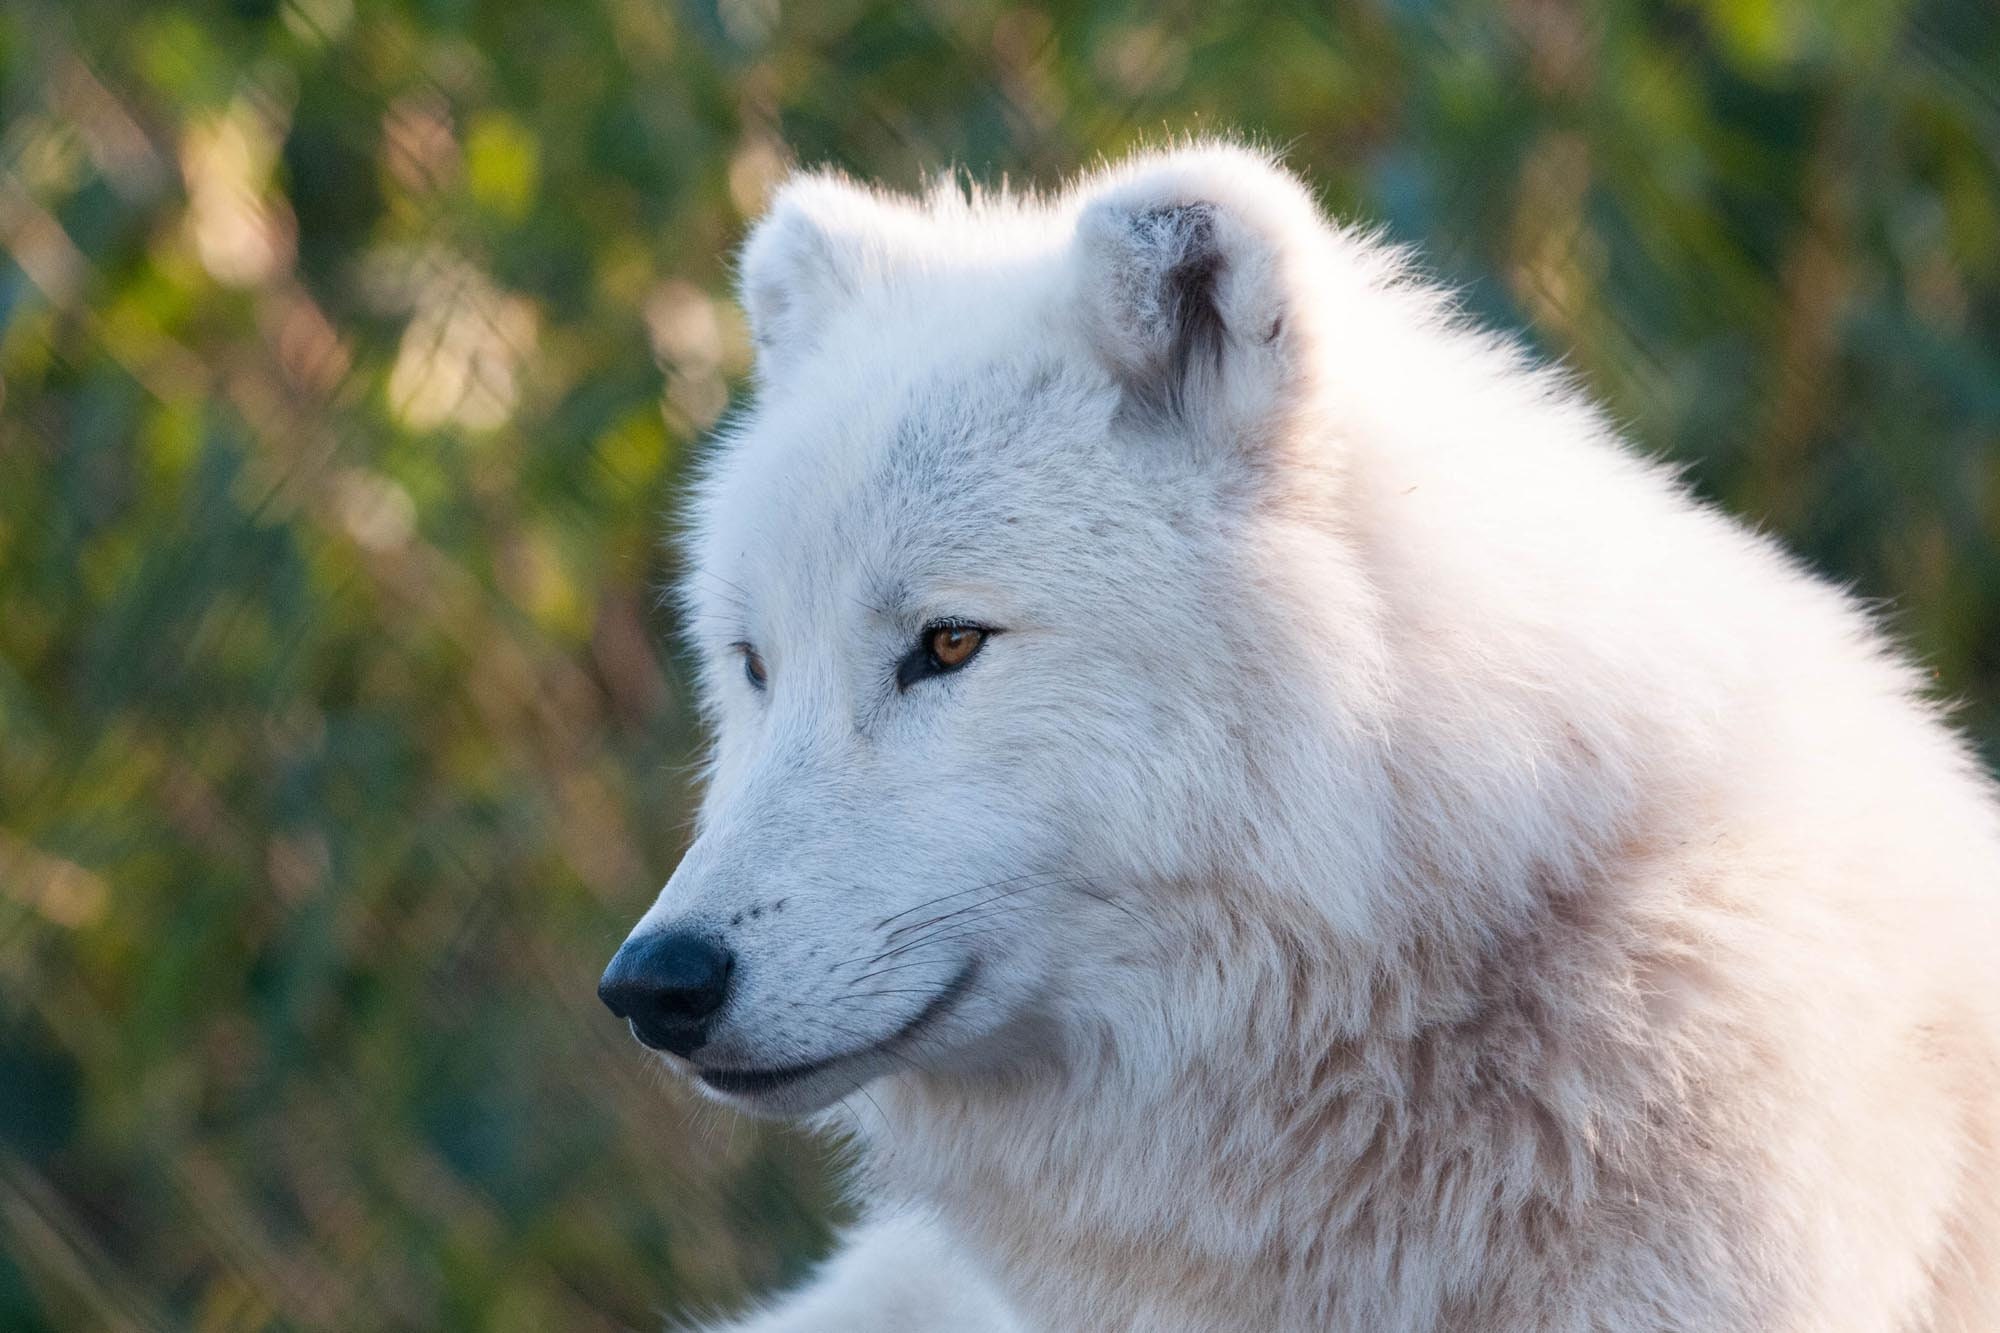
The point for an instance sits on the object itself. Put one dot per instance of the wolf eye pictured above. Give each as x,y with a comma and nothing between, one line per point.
753,666
953,645
941,648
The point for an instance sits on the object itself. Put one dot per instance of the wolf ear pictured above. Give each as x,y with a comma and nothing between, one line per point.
1192,280
823,241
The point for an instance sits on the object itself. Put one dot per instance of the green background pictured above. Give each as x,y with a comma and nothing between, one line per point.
353,351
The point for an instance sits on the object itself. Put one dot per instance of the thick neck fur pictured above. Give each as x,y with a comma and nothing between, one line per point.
1414,1028
1507,1002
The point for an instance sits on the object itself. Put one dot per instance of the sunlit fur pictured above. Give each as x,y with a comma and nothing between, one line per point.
1423,870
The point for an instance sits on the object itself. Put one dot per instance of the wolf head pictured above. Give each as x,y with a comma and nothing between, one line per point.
992,596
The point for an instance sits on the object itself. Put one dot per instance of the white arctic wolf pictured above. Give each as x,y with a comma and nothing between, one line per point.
1288,823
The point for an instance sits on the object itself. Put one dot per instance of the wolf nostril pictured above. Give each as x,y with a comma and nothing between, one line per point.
669,986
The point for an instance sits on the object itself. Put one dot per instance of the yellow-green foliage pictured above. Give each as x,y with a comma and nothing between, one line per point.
352,351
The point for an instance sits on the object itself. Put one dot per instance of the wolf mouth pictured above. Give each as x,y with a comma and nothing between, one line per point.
749,1082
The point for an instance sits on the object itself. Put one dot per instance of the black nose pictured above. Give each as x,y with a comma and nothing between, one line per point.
670,985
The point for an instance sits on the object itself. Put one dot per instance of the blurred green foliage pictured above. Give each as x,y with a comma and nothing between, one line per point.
351,353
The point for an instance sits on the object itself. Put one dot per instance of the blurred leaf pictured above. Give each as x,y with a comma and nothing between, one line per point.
352,356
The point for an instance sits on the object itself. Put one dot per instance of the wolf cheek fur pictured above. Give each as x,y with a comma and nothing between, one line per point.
1393,860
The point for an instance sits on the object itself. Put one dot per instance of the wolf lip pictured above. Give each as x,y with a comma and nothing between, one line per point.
750,1082
753,1081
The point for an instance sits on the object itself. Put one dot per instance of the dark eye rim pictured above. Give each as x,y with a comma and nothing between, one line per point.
921,664
754,670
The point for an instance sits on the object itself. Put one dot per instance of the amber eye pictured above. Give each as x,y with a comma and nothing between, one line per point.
953,645
753,666
939,649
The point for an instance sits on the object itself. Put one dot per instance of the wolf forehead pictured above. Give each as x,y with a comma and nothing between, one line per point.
940,469
1114,356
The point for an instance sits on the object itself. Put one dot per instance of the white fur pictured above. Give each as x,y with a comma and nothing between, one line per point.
1420,869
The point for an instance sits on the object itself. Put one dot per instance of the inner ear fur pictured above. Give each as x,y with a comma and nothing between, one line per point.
1192,280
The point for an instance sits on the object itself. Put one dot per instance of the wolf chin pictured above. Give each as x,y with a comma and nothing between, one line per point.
1257,812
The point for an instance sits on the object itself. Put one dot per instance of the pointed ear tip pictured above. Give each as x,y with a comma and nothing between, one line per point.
802,189
1253,199
784,248
781,214
792,203
817,207
822,238
801,214
1236,179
